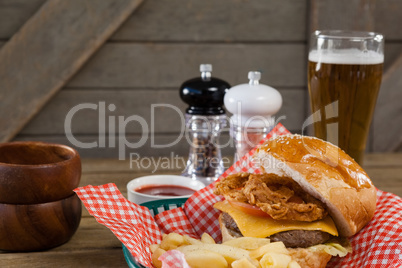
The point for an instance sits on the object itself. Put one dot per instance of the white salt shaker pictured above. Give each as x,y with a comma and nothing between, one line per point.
253,106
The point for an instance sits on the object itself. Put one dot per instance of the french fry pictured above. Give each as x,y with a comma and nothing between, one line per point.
277,247
207,239
155,256
172,241
153,247
249,243
244,252
202,258
191,241
229,253
275,260
243,263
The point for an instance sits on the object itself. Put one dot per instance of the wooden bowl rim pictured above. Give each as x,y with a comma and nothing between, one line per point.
74,154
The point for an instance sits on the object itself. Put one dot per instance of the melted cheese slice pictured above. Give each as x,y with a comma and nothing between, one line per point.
254,226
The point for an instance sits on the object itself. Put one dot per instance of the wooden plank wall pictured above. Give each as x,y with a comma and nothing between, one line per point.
48,50
160,46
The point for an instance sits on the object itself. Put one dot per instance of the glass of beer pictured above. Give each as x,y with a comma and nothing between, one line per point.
344,78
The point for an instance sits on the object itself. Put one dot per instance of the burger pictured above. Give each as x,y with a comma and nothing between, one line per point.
308,193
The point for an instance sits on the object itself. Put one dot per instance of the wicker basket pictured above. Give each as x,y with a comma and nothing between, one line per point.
155,207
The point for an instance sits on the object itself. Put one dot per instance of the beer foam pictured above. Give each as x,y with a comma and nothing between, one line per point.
346,56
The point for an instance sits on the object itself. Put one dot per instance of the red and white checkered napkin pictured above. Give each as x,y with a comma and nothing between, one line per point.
132,224
379,244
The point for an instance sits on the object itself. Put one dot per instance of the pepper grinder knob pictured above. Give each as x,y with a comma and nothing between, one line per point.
206,70
204,95
252,106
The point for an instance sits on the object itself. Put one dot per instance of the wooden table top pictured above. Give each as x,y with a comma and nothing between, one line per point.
93,245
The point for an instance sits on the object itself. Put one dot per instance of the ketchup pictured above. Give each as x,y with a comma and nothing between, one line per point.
166,190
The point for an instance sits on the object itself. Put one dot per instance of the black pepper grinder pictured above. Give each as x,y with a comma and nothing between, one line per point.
205,119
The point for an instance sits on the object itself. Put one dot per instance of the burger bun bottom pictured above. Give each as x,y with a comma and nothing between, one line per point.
303,256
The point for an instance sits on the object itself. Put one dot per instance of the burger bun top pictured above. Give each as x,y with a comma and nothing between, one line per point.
327,173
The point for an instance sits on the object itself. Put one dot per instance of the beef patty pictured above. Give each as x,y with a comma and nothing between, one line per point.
291,239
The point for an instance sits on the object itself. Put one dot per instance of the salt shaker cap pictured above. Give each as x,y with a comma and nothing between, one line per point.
253,104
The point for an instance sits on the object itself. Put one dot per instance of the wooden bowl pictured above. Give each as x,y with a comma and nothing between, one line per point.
37,172
38,226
